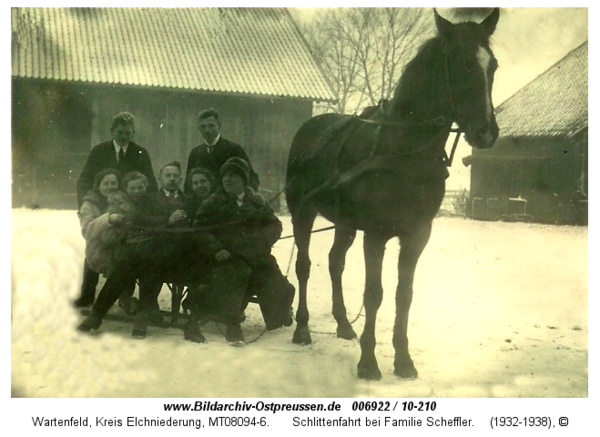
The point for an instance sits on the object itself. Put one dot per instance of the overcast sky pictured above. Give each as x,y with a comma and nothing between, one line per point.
528,41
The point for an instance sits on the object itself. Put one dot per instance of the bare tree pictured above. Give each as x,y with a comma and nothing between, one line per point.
363,50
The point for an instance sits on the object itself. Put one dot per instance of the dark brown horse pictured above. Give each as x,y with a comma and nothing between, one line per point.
385,175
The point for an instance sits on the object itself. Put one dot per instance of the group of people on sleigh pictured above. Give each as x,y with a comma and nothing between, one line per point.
216,233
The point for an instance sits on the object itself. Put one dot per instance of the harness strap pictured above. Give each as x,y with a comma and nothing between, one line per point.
341,127
374,162
438,121
380,162
447,159
388,163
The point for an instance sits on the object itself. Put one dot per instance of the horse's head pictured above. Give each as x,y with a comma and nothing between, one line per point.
470,67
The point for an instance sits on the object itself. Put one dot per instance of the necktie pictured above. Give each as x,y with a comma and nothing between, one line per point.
121,154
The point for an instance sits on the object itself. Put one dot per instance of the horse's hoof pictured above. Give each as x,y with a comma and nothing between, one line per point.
369,372
406,370
302,337
346,332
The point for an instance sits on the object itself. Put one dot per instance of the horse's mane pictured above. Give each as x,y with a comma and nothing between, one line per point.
370,111
411,85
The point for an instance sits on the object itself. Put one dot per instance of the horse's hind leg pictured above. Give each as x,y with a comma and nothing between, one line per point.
411,247
344,237
374,247
303,222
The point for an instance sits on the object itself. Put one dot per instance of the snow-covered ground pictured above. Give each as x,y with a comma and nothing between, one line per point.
500,310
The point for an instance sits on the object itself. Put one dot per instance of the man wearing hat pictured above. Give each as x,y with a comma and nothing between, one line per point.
240,250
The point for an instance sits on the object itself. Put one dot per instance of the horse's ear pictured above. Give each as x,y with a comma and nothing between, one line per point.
489,24
441,23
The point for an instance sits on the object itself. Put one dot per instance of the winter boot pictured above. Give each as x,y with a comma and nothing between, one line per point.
140,325
93,321
191,332
234,335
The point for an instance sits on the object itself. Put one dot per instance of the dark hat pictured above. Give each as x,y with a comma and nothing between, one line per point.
238,166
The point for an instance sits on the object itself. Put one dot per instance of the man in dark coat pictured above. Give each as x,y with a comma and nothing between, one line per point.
120,152
170,199
240,250
162,251
123,154
215,149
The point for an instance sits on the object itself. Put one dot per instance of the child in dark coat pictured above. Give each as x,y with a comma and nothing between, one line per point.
242,228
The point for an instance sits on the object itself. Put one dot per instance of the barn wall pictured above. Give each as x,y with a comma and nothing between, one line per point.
547,172
48,155
51,125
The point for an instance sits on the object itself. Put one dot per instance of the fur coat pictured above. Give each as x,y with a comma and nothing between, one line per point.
101,237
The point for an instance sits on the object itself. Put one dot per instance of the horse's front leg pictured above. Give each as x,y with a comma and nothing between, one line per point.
374,248
411,247
344,237
302,224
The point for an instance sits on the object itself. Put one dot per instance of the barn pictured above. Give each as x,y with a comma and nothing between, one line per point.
538,168
73,69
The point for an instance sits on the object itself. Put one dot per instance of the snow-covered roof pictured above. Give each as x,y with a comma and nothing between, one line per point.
554,104
234,50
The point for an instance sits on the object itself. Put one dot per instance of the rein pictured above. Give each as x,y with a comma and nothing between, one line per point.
183,230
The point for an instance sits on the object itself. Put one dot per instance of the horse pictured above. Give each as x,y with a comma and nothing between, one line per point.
384,174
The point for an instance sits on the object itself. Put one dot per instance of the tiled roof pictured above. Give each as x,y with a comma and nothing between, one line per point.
554,104
233,50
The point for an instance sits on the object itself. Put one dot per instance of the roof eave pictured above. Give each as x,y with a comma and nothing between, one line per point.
179,89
